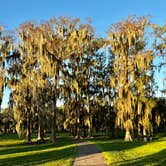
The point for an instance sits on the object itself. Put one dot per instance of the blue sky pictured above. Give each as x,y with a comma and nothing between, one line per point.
102,13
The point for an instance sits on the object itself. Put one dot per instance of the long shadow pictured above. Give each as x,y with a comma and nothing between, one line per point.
39,158
107,145
12,144
104,145
9,136
118,145
158,159
53,155
23,147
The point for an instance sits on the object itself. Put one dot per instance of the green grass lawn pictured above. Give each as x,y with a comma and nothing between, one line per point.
15,152
118,152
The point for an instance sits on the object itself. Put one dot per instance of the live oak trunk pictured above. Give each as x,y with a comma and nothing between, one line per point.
40,129
89,119
40,133
28,130
53,127
144,135
128,135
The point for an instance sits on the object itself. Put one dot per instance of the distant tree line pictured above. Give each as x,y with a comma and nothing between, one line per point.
103,84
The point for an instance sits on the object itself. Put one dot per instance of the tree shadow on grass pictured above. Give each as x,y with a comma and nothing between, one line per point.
23,147
106,145
9,137
39,158
34,154
118,145
158,159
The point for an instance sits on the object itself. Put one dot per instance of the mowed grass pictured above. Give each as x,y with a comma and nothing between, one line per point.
15,152
118,152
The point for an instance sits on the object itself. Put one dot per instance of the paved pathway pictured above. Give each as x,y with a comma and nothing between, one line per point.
88,155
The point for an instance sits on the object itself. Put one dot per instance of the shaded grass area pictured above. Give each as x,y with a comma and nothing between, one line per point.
15,152
137,153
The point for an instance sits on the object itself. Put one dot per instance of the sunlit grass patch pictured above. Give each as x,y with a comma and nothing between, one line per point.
16,152
118,152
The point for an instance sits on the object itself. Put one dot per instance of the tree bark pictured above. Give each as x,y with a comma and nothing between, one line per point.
89,118
128,135
28,131
90,127
40,133
78,128
144,135
53,129
40,127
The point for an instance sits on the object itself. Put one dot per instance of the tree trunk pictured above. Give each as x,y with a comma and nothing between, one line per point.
89,115
40,127
90,127
144,135
40,133
84,131
74,130
77,116
113,132
78,128
28,131
128,135
139,132
53,130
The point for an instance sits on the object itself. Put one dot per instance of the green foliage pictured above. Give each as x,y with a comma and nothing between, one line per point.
103,84
7,122
133,73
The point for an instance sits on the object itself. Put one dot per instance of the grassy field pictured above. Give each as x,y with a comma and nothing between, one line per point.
16,152
118,152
